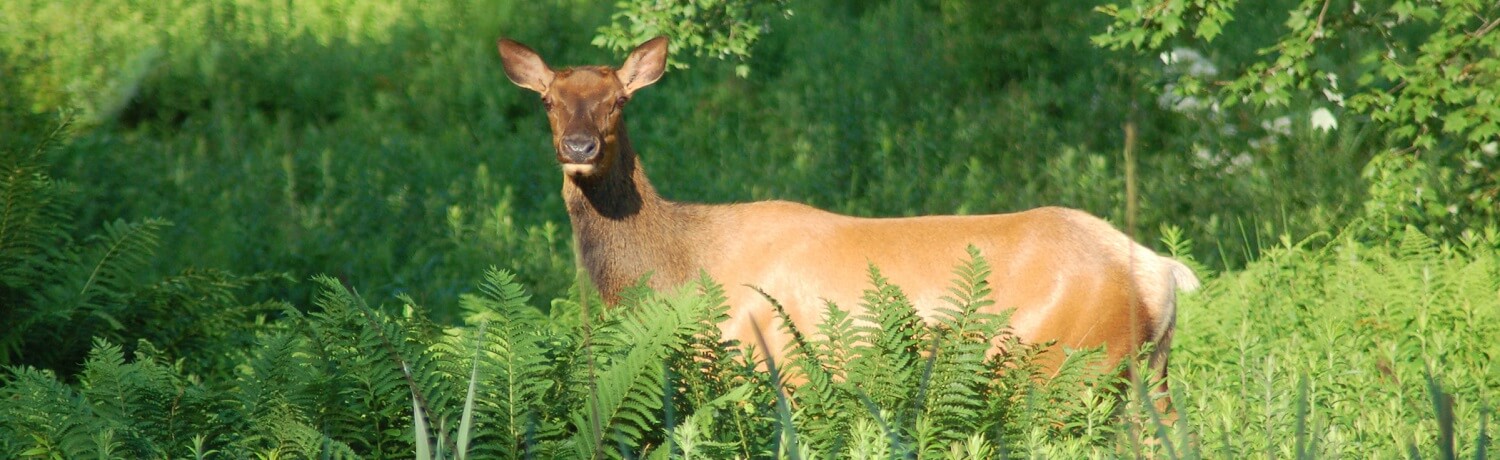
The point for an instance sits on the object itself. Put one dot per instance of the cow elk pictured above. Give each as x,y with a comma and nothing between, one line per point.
1071,277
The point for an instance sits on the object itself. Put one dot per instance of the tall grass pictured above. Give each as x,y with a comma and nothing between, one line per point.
1350,336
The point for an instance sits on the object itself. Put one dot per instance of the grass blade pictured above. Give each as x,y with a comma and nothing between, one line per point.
1302,409
1482,442
466,423
419,424
783,409
1442,406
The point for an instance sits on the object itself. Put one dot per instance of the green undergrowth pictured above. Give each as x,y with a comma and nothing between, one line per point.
651,378
1353,349
1351,335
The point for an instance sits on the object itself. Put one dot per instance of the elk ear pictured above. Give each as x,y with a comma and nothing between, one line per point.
524,67
645,65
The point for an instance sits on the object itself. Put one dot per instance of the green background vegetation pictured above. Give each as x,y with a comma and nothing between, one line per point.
158,255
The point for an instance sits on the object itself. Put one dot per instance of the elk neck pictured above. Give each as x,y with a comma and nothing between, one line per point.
623,230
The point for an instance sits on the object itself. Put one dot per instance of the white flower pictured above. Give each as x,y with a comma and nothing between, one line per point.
1333,97
1323,120
1190,61
1205,155
1490,149
1281,125
1240,161
1170,100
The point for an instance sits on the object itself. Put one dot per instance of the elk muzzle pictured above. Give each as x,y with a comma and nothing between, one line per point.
578,149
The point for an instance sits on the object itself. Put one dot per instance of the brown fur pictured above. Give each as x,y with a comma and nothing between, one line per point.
623,230
1071,277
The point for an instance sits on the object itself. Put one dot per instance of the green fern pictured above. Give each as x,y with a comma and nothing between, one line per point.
96,293
203,313
278,385
513,367
838,339
1010,406
136,407
953,405
706,370
44,417
890,345
282,373
694,439
708,353
50,283
825,407
372,384
630,391
35,218
800,354
426,446
119,254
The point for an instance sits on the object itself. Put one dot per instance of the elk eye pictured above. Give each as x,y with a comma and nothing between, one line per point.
620,102
547,102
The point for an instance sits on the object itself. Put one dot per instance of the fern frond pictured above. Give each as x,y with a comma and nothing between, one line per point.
377,376
87,295
513,364
278,376
630,391
710,367
838,338
150,407
889,350
119,255
1416,245
34,217
500,297
958,378
203,313
800,354
43,416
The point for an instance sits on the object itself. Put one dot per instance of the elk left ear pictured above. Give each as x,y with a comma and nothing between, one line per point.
645,65
524,67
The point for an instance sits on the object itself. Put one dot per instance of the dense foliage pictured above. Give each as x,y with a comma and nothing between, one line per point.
1425,74
242,229
382,144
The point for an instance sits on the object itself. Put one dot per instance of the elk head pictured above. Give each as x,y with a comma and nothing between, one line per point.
584,103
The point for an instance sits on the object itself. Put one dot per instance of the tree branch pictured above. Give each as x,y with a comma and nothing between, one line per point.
1318,28
1486,29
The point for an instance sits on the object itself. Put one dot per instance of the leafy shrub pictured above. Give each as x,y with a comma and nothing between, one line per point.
1422,73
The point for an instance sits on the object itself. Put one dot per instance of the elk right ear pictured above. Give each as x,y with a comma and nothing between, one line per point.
645,65
524,67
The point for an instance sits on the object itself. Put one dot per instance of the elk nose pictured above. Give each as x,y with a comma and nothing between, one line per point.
578,148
